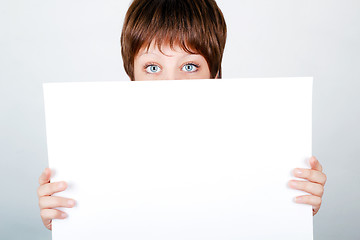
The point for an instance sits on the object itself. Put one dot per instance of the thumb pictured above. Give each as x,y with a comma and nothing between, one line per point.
45,176
315,164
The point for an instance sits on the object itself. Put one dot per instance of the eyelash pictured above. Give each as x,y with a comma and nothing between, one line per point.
148,65
192,63
188,63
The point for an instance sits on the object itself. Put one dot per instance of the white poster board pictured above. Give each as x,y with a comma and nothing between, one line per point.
181,160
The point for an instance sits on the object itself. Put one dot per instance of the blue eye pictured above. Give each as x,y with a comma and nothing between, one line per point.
152,69
190,67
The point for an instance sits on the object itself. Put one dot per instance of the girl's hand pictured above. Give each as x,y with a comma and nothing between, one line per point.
315,185
48,202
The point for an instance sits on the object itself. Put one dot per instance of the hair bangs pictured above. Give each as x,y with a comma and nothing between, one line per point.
171,39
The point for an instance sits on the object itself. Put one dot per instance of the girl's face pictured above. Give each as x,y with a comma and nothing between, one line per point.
174,65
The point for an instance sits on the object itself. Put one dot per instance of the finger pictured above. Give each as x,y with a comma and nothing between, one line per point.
51,188
315,164
48,214
54,202
312,188
311,175
314,201
45,176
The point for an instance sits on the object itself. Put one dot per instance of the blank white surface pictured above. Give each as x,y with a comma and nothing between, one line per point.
197,159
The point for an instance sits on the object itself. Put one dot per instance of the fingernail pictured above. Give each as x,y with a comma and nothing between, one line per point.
63,215
296,199
62,184
298,171
71,203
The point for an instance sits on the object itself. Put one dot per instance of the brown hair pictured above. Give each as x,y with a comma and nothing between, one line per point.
197,26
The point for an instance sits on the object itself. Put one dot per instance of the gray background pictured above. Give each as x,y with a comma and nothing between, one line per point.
46,41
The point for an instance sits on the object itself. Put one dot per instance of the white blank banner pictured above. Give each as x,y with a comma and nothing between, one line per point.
181,160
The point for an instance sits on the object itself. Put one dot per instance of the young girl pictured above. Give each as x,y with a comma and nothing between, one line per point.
174,39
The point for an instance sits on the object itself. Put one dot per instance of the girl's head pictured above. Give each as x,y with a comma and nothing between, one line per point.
173,39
